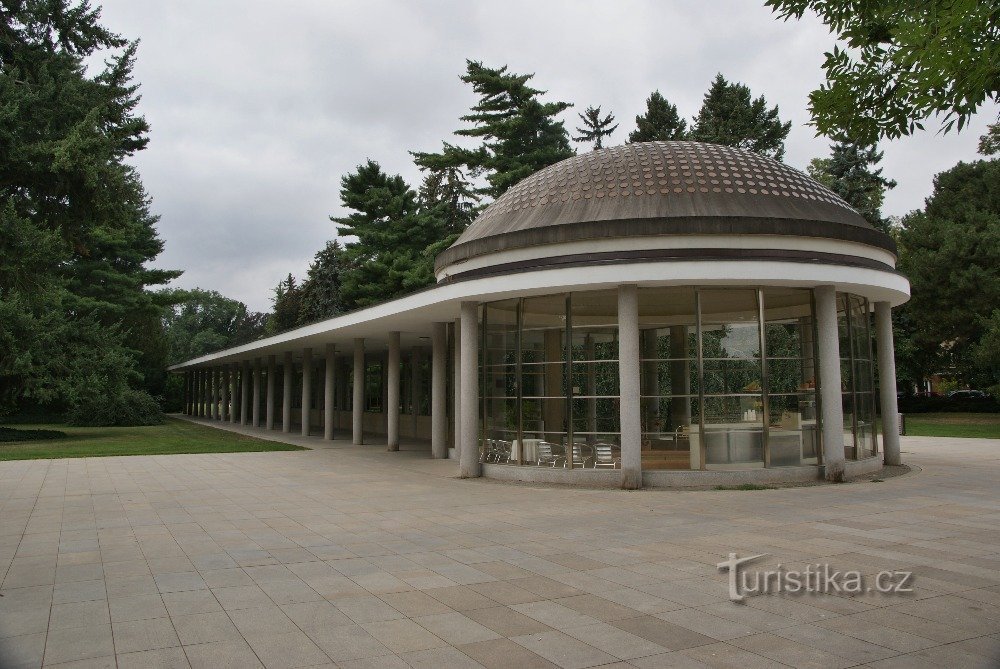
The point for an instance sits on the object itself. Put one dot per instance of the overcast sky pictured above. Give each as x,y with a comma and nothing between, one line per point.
258,108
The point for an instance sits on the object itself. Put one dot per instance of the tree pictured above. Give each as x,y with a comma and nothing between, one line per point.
595,129
950,251
287,301
206,321
446,194
75,211
520,134
850,173
660,123
904,62
393,234
321,291
729,116
989,144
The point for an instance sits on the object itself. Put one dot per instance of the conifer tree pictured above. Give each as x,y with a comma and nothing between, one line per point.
729,116
321,291
287,302
851,173
595,129
73,210
660,123
393,233
520,134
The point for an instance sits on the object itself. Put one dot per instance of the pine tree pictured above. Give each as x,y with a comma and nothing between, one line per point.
446,194
850,172
393,234
595,129
66,187
989,144
728,116
520,134
660,123
321,291
287,301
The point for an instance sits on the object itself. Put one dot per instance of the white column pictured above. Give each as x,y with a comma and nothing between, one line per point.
439,391
224,414
887,383
213,405
416,357
392,394
457,385
468,464
287,369
245,393
830,382
233,407
328,386
269,410
255,413
306,389
628,381
358,401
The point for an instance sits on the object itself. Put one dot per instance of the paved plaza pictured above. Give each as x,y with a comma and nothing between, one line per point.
355,557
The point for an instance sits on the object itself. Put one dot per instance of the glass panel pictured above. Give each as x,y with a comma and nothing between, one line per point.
544,382
595,383
732,378
669,383
792,432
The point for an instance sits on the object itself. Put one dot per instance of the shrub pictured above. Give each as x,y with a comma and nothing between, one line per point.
126,408
8,434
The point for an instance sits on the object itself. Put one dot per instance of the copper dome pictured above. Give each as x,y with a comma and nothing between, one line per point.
661,188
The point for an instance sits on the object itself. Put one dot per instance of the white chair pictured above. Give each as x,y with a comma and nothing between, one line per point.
605,457
546,454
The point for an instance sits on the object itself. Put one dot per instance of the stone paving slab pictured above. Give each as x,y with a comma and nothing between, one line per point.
355,557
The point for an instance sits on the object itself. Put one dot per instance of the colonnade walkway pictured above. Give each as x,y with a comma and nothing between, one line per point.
351,556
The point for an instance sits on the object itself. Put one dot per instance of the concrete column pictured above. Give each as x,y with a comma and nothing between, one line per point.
256,393
328,385
288,368
245,393
457,385
196,408
225,393
468,464
439,391
392,393
307,354
211,393
830,382
358,402
887,383
269,401
233,408
628,381
416,358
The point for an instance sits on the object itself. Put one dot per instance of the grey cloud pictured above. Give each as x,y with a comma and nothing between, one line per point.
257,109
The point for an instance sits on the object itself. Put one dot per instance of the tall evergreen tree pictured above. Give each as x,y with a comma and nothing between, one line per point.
287,301
950,252
729,116
321,291
660,123
446,194
520,134
851,173
595,128
207,321
66,189
989,144
393,234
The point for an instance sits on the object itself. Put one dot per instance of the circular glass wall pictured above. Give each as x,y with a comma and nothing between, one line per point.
728,379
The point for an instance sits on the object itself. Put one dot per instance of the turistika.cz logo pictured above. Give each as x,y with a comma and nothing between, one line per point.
815,578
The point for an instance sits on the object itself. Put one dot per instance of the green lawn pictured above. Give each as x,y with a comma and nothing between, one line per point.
174,436
982,425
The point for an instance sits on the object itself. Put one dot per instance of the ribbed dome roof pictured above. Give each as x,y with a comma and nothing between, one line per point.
660,188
